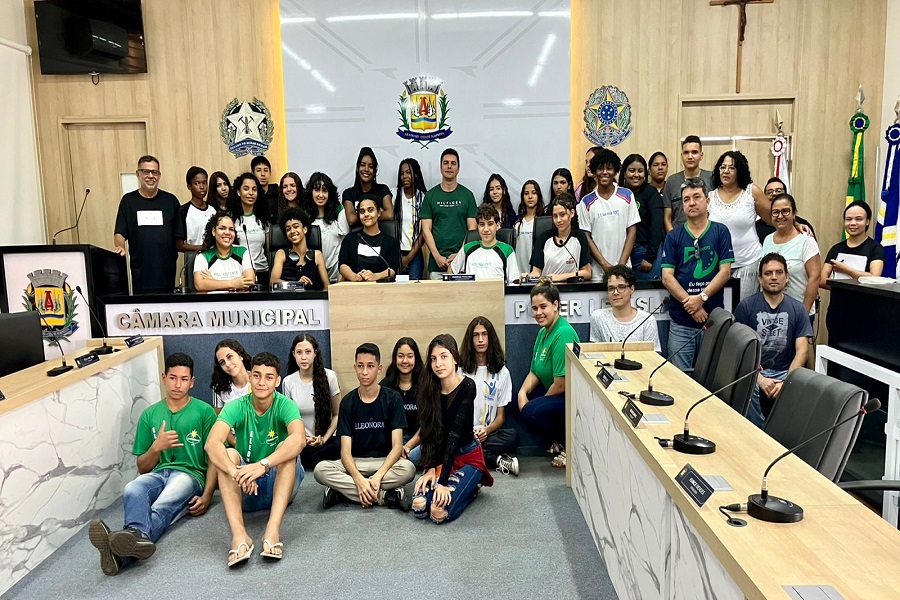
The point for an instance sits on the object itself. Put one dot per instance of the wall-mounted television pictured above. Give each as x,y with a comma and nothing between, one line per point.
90,36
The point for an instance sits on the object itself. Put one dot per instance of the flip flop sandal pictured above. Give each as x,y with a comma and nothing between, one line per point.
238,557
559,461
268,553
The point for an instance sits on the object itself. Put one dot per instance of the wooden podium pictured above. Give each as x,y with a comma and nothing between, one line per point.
45,277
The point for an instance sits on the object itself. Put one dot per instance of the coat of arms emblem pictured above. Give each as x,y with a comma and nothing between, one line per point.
53,298
247,127
423,110
607,116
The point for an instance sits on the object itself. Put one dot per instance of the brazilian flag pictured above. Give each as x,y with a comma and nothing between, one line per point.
856,185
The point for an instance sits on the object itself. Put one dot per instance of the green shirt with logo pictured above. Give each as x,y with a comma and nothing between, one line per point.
549,358
257,436
192,424
448,212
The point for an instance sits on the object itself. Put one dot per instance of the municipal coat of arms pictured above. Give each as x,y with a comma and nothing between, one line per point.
607,116
53,298
423,109
247,127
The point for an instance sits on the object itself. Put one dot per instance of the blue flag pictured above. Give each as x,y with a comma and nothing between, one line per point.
889,206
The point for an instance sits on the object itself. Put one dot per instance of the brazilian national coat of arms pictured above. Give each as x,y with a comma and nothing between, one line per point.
423,109
607,116
53,298
247,127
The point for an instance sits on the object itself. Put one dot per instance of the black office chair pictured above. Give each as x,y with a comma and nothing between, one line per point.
277,241
314,238
740,354
542,224
811,402
189,258
507,236
392,229
717,325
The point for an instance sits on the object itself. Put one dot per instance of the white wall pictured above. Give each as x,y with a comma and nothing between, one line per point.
22,203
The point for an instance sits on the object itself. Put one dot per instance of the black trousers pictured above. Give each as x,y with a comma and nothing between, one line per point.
502,441
311,456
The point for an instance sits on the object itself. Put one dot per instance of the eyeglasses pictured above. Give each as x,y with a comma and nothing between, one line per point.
726,168
146,172
617,289
775,192
696,248
782,212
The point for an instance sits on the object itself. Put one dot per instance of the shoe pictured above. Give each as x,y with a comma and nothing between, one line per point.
395,499
131,542
555,448
507,464
559,460
98,533
331,498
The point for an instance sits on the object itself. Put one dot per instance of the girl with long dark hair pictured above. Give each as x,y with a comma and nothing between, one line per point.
231,373
562,252
290,193
451,455
403,375
531,205
651,230
253,223
221,195
588,183
317,392
560,183
482,358
222,264
322,204
408,199
365,183
496,192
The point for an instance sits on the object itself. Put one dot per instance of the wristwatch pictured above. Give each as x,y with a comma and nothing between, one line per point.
265,463
704,296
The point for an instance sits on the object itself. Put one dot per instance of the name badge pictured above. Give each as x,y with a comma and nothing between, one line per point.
632,412
88,359
604,377
576,349
149,217
694,485
134,340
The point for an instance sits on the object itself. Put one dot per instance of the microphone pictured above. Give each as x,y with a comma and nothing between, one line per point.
181,288
390,277
63,368
692,444
626,364
87,193
653,398
773,509
105,348
252,262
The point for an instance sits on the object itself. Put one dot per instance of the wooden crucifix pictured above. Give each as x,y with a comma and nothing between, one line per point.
742,26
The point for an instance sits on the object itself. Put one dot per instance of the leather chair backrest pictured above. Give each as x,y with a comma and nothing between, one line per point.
740,354
542,224
809,403
314,238
391,228
717,326
507,236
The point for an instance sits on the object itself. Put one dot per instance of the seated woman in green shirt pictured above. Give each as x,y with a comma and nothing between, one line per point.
542,398
220,265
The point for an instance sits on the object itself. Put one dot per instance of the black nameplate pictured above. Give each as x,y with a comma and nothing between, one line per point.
632,413
694,485
605,377
459,277
134,340
87,359
576,349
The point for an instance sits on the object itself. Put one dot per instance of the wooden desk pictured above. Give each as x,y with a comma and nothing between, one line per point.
65,448
657,544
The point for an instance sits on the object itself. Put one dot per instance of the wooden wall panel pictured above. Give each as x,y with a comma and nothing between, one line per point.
817,51
201,54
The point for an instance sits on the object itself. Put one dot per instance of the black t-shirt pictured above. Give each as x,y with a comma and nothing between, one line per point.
271,205
651,230
351,194
151,225
370,425
358,255
871,249
410,407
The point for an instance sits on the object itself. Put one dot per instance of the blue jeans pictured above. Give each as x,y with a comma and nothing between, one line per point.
678,336
266,487
545,416
415,455
637,255
463,484
416,266
155,500
754,411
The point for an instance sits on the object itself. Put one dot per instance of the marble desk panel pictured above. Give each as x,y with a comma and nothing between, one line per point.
65,456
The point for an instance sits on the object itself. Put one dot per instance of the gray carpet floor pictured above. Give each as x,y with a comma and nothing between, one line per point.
523,538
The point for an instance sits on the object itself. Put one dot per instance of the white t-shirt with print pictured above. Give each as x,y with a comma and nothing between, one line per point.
492,391
524,244
255,239
332,235
195,222
608,222
606,328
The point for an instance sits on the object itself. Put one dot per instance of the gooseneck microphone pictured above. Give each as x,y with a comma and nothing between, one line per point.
390,277
693,444
626,364
63,368
105,348
87,193
773,509
181,288
653,398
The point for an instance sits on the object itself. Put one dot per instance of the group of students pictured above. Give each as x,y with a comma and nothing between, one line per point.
444,415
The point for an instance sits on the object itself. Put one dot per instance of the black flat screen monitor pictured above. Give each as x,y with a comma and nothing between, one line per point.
90,36
21,342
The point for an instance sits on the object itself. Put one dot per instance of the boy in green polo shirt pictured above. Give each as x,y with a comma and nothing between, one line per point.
174,471
263,469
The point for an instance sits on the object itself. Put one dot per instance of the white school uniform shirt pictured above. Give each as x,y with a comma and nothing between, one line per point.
332,235
485,263
301,392
524,243
195,222
254,239
607,222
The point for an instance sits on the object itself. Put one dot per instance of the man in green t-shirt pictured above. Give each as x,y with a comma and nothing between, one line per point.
263,468
447,212
176,477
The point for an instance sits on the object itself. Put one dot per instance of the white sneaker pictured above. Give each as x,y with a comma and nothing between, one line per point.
507,464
